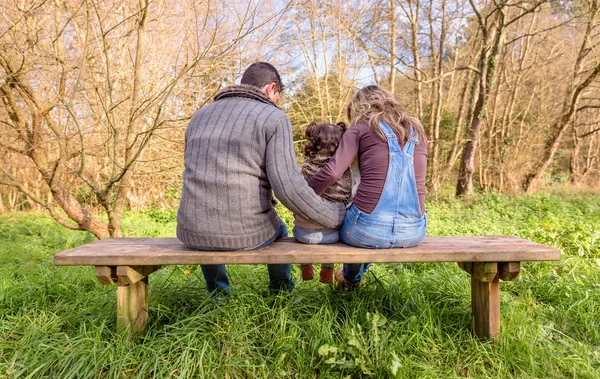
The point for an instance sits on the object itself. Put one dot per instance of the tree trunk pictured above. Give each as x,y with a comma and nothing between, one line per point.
487,65
458,131
436,108
466,104
77,213
414,29
574,170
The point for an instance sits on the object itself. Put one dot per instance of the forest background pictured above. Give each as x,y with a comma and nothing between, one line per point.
96,95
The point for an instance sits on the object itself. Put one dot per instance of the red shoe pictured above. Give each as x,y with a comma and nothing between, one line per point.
326,275
307,272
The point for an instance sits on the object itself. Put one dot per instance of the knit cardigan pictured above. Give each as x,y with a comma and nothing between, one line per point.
238,151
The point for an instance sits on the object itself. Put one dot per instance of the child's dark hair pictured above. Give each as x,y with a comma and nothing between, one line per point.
323,139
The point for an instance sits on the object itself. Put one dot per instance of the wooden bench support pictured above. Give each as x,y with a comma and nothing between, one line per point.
485,293
133,274
106,275
484,272
485,305
132,308
509,270
132,295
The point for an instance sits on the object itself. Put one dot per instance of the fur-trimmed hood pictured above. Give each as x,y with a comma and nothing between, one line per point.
246,91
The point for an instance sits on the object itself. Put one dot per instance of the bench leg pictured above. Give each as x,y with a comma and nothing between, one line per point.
485,293
132,308
485,304
132,296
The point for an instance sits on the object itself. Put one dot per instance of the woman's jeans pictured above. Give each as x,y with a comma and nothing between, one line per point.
279,275
356,232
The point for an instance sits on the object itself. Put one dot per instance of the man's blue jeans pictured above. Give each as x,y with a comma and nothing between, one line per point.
279,275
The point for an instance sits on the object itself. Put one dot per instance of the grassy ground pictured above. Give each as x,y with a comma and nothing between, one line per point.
409,321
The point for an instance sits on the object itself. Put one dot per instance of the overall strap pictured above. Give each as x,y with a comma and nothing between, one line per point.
409,147
390,136
413,139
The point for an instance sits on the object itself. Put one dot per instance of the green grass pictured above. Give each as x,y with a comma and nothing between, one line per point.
409,321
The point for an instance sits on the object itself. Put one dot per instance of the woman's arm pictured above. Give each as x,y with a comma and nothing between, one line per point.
339,163
420,164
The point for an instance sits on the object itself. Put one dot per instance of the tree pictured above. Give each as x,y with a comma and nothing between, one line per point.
88,85
585,71
492,27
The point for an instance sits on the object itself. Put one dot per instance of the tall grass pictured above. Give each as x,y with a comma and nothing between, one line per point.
409,321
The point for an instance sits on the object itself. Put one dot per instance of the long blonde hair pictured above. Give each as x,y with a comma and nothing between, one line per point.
374,104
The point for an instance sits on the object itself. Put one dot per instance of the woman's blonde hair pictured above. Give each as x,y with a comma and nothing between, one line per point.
374,104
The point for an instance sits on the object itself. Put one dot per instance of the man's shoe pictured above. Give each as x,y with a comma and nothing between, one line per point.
307,272
341,283
326,275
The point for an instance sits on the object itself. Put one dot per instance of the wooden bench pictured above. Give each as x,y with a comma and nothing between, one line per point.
129,261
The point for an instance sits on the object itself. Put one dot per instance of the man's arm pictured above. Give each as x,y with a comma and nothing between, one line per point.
289,185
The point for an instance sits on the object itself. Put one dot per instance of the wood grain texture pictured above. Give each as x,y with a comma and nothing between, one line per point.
485,305
105,275
467,266
485,271
509,270
164,251
133,274
132,308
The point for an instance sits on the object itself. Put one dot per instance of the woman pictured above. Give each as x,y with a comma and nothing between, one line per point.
388,209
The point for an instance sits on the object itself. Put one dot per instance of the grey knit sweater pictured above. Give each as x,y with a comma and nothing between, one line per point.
239,150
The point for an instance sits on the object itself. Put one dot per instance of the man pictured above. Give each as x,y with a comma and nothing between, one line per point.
239,149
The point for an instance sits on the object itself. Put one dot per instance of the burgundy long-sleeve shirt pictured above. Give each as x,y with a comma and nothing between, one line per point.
373,154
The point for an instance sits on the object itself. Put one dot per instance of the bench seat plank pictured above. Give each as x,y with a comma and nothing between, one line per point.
168,251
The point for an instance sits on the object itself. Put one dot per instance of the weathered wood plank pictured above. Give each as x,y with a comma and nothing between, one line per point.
509,270
485,304
132,308
164,251
133,274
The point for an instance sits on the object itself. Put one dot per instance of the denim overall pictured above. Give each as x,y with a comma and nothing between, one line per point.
396,221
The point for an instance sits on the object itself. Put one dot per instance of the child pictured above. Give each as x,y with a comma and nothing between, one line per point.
323,140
